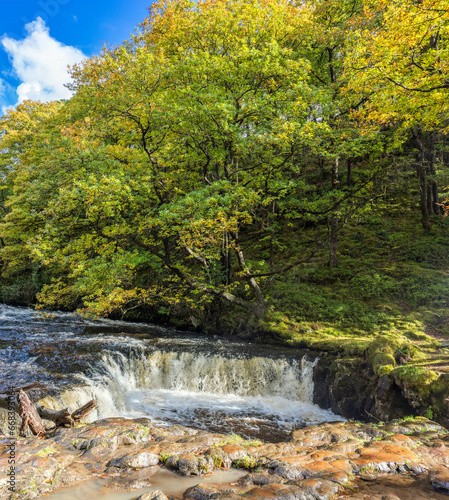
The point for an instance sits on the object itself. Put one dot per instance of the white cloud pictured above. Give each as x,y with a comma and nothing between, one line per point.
2,87
40,62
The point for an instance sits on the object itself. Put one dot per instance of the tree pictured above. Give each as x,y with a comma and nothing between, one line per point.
173,145
398,61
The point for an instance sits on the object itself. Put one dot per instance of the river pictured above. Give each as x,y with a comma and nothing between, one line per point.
172,377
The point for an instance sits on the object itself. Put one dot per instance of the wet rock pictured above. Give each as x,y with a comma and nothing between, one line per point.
283,492
192,465
234,451
136,460
440,480
314,464
153,495
288,471
261,478
172,462
382,457
215,491
318,488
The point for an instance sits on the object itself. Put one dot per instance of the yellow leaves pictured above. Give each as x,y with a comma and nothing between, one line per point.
398,60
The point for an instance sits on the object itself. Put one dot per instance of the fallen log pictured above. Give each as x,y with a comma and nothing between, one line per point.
32,416
29,416
59,417
67,416
82,412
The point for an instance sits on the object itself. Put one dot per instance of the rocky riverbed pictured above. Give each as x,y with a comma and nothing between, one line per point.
405,459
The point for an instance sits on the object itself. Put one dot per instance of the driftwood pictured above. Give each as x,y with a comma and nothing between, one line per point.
67,416
59,417
29,416
32,416
82,412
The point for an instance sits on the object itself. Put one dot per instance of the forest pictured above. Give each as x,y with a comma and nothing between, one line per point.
242,166
245,204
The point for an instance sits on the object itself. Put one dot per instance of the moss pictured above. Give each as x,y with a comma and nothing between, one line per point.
382,353
249,463
46,451
439,389
417,379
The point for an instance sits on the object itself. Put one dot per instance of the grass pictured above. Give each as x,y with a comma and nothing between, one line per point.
238,440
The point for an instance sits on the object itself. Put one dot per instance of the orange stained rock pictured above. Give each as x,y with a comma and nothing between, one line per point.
400,438
338,476
341,465
294,460
376,448
232,448
322,454
319,466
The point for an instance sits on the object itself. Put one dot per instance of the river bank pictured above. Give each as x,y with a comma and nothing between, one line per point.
132,456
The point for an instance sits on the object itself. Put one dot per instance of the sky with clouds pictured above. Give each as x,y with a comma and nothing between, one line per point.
39,38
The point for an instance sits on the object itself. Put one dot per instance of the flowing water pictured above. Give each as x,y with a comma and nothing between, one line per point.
169,376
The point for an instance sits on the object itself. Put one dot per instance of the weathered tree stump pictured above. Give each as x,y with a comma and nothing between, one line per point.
29,416
67,416
82,412
59,417
32,416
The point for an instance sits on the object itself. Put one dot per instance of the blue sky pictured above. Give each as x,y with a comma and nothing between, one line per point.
38,38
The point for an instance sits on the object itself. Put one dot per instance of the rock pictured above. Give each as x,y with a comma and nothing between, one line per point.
318,488
192,465
384,385
215,491
234,451
289,472
440,480
153,495
261,478
317,462
188,465
136,460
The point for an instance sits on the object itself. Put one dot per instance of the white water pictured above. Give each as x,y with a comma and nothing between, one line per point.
171,377
257,396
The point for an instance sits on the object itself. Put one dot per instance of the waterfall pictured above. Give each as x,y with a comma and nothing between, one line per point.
211,391
140,370
187,371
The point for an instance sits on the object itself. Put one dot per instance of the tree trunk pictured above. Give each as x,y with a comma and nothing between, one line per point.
421,169
333,242
82,412
32,416
333,237
423,197
59,417
29,416
436,208
429,198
